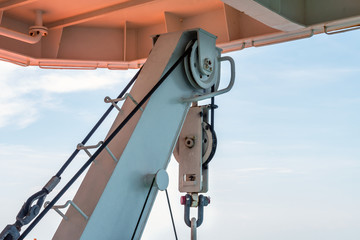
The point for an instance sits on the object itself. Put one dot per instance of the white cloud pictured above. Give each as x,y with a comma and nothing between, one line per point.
264,170
244,142
24,171
27,91
251,169
314,74
58,83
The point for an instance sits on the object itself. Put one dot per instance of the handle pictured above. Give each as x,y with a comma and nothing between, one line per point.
222,91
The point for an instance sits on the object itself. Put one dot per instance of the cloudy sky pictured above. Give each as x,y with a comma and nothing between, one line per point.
288,159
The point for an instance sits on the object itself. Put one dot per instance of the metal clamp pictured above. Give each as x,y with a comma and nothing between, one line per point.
26,214
188,202
216,93
107,99
81,146
69,202
29,210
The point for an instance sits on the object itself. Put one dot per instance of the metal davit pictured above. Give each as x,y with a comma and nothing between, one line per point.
177,45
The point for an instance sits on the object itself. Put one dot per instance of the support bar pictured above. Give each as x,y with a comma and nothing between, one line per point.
57,207
107,99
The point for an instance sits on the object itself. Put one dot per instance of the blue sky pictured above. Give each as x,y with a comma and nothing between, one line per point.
288,158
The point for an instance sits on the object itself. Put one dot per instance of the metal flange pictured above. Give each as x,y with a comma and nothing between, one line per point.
38,30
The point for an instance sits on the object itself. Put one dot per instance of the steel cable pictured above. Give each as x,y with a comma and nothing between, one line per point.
106,142
171,214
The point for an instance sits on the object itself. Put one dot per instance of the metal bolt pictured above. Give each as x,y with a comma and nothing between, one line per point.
208,64
190,141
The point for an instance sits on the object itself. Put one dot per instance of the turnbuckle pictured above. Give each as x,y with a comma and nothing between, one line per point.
28,211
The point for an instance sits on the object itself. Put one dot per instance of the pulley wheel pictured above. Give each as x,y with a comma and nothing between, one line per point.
196,78
209,143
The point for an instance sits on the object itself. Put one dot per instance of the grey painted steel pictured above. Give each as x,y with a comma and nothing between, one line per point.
219,92
69,202
193,229
114,101
162,180
111,154
119,207
81,146
10,232
189,202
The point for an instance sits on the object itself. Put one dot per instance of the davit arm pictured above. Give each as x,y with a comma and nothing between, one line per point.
120,187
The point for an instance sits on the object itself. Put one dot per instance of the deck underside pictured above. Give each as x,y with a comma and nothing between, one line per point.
116,34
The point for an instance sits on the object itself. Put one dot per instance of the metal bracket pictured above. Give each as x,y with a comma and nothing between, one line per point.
188,152
216,93
114,102
81,146
69,202
194,150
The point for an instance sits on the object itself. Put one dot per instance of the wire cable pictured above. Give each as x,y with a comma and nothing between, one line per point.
171,214
97,125
142,210
24,215
106,142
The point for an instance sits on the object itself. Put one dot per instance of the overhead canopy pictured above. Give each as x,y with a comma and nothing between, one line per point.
117,33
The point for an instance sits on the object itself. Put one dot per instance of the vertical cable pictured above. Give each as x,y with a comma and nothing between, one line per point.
171,214
212,109
142,210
